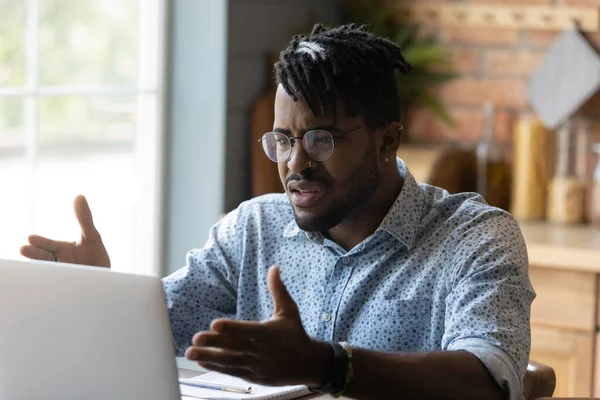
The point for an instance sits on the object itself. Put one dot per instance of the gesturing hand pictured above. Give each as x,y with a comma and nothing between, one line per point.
274,352
89,250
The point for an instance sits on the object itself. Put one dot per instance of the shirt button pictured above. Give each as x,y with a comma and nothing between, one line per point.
326,317
345,260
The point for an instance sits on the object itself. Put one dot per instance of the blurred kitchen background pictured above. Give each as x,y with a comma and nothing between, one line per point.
152,108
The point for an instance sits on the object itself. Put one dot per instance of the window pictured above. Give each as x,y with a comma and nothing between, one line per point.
81,111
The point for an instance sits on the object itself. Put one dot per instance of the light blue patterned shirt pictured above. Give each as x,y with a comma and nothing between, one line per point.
442,272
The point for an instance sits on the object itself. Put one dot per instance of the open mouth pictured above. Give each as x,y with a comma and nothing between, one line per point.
305,194
305,198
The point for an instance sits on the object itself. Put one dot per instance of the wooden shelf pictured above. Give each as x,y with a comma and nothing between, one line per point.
515,17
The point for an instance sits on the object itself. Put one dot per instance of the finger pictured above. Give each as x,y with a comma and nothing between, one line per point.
35,253
219,357
224,341
84,217
249,329
283,302
43,243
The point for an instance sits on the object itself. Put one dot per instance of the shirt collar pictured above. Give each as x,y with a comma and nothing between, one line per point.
292,229
401,220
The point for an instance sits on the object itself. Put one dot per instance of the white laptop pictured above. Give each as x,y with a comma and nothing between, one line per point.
72,332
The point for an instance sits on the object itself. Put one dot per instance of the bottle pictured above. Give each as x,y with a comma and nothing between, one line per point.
493,174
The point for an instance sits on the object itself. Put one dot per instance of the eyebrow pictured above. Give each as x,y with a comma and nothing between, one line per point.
288,132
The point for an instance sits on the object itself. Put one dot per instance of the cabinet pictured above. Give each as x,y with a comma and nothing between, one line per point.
563,327
570,353
564,268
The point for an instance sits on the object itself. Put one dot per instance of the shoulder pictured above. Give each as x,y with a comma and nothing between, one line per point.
255,220
470,223
270,210
464,210
272,202
485,241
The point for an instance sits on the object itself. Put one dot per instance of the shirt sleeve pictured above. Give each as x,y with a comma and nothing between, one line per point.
206,288
488,308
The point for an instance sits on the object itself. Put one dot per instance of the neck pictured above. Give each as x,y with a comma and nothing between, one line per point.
366,218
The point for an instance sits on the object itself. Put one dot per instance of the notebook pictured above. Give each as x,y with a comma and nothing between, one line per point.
259,392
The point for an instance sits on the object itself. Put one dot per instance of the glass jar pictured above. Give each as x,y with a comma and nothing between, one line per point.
594,195
567,188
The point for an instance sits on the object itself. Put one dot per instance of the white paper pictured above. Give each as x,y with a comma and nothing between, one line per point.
258,391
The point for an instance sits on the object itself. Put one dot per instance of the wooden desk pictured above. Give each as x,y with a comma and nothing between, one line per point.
188,373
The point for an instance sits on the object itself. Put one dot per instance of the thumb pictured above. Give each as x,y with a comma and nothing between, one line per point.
84,217
284,304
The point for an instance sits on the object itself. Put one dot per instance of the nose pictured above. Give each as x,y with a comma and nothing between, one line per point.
299,159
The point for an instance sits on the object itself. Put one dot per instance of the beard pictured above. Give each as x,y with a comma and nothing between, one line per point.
360,185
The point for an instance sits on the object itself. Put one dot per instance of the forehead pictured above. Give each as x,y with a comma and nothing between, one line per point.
298,114
286,108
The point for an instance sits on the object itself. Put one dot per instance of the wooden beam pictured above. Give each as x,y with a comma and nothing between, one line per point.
512,17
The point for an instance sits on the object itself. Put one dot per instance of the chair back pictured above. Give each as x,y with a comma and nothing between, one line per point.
539,381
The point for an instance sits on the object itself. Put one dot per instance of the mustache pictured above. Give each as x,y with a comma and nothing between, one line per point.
306,176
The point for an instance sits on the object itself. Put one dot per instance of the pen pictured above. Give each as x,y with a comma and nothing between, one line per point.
216,386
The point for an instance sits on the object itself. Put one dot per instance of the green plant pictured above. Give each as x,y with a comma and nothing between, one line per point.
430,61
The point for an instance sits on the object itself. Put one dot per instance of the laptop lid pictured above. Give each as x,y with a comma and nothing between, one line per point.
73,332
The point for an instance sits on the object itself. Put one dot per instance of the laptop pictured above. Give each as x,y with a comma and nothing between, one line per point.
74,332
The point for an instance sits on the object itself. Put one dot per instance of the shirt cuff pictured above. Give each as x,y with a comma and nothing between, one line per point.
500,365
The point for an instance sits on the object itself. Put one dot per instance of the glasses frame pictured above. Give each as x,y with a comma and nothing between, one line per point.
292,140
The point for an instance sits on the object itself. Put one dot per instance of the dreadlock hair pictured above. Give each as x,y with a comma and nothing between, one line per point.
346,63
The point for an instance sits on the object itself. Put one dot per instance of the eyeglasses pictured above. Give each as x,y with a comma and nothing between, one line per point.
318,144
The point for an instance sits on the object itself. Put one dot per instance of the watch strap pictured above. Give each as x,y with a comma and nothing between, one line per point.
336,377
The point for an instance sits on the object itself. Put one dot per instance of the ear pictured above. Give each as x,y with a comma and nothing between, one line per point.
390,140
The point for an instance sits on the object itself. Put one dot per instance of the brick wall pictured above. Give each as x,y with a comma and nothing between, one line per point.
494,65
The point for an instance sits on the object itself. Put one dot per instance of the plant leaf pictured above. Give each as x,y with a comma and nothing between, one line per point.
425,56
405,37
436,107
431,62
428,77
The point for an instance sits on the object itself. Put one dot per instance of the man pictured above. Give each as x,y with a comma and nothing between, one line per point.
428,292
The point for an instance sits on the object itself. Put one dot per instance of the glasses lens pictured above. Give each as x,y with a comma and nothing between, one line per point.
277,146
318,145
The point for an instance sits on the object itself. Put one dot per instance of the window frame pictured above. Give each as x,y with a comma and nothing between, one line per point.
149,143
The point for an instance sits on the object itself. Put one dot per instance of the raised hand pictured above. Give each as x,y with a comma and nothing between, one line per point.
89,250
273,352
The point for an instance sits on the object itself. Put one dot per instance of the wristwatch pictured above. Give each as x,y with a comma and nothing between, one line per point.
336,377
